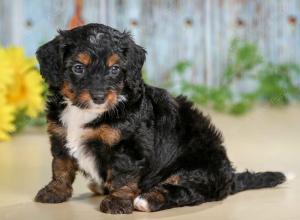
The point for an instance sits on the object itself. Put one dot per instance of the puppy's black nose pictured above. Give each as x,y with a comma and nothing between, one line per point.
98,99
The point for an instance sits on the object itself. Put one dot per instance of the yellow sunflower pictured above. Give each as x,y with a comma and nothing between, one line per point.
21,88
26,90
6,118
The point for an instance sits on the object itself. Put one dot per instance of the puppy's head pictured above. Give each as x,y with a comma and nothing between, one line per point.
93,65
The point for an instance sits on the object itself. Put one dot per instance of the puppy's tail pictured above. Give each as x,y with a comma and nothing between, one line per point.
250,180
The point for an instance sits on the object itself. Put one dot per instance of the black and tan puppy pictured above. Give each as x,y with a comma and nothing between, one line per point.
147,150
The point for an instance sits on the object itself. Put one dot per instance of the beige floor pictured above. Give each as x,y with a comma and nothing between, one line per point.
263,140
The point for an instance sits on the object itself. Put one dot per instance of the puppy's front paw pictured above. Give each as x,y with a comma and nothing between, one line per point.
115,205
53,194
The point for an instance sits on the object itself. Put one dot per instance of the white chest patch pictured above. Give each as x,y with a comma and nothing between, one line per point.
74,119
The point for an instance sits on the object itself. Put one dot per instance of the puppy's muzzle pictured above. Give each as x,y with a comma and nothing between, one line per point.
98,100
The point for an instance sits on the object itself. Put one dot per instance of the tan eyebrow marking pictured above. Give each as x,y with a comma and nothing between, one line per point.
84,58
112,59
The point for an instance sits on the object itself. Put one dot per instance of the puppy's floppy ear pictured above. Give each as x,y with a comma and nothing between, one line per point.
50,56
135,58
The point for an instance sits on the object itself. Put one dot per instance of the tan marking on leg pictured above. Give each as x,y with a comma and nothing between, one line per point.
60,188
64,170
174,179
105,133
56,129
130,191
109,135
155,195
112,59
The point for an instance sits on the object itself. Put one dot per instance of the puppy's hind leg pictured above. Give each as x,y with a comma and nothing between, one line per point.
171,193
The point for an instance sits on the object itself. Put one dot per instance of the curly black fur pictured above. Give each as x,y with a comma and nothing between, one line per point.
159,148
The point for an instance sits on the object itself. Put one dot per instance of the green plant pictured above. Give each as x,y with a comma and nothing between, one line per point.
242,58
275,83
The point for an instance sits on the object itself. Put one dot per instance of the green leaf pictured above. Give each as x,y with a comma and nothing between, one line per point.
182,66
21,120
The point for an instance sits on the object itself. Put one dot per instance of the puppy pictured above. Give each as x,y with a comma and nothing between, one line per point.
145,149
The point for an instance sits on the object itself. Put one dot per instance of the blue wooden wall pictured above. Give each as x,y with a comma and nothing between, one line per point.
170,30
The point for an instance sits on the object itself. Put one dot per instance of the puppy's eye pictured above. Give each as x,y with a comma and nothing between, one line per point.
115,69
78,69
